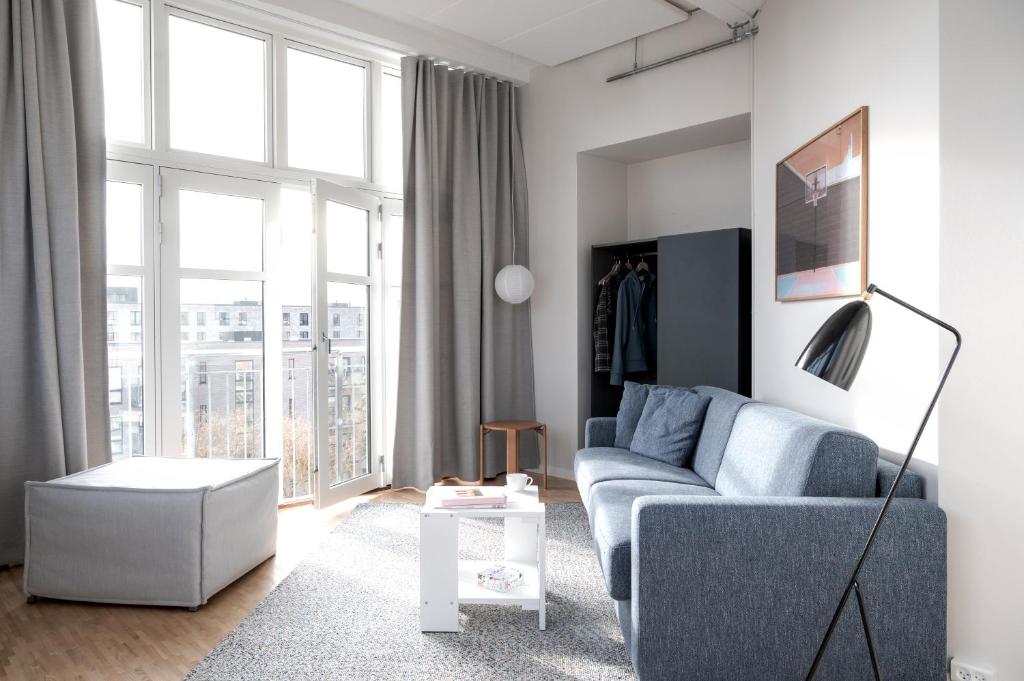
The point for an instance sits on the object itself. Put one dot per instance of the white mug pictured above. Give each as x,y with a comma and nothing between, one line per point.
517,482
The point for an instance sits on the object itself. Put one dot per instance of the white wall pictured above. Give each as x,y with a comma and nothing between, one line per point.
982,244
806,79
569,109
699,190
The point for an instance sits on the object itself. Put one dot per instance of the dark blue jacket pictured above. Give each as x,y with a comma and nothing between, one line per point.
628,353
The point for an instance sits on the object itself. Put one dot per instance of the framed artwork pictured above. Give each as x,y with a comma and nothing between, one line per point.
821,214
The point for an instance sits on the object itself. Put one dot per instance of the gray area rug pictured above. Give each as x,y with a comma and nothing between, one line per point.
350,611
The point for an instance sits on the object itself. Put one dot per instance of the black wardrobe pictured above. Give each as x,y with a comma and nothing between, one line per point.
703,282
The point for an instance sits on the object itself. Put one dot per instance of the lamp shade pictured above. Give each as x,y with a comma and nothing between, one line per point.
837,349
514,284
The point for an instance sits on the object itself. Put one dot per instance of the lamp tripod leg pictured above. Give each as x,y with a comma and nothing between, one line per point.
867,631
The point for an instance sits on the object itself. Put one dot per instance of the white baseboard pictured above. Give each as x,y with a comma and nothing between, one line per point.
553,471
558,472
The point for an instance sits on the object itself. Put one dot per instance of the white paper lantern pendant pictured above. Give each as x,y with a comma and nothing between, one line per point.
514,284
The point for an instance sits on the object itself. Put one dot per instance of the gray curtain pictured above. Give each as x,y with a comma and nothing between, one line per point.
53,351
466,356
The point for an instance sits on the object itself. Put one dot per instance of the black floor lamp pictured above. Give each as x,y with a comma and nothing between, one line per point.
834,355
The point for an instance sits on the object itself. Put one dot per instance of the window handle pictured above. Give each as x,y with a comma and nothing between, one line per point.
326,340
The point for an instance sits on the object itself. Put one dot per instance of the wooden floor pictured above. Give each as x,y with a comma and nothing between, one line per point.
65,640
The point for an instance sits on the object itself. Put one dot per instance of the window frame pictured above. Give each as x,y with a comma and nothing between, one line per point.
147,77
148,272
162,91
281,67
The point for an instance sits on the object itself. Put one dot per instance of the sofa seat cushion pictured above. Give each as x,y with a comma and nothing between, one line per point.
610,512
598,464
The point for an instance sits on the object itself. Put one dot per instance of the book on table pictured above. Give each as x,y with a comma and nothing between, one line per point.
471,497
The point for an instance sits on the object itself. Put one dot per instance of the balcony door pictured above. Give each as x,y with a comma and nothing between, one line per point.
348,311
217,380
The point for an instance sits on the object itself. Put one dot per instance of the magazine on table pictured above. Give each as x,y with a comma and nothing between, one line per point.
472,497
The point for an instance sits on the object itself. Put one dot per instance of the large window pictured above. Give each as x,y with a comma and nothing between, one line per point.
210,234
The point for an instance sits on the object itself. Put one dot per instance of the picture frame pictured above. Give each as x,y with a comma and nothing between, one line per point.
821,214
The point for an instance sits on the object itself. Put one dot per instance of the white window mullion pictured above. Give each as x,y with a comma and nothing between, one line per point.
273,346
391,288
231,275
160,88
374,125
147,78
154,249
170,339
279,128
375,348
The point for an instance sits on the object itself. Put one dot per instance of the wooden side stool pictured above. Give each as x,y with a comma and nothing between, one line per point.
512,429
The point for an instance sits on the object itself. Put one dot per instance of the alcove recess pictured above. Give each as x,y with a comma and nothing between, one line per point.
682,198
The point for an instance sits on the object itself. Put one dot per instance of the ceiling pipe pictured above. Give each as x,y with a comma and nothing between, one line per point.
739,34
679,6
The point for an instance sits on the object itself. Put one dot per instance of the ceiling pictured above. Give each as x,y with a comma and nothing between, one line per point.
549,32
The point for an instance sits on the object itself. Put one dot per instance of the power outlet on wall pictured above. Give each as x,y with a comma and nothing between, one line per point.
961,671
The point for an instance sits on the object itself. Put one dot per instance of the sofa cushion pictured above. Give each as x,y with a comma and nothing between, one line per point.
600,464
610,512
777,452
912,484
670,424
634,396
714,435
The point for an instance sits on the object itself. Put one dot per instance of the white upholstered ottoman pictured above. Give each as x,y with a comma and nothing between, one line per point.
150,530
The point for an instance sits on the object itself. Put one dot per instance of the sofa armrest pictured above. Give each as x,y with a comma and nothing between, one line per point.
744,587
600,432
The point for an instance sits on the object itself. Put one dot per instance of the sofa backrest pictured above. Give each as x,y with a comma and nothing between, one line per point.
714,434
773,451
911,486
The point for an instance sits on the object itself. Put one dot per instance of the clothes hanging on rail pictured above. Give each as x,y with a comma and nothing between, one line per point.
649,318
628,351
604,317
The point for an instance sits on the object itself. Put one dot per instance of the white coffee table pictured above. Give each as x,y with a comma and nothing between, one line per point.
446,581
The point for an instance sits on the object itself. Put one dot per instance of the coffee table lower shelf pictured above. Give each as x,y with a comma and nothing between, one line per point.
526,595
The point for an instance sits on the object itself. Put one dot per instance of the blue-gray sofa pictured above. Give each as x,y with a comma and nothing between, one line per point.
730,568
